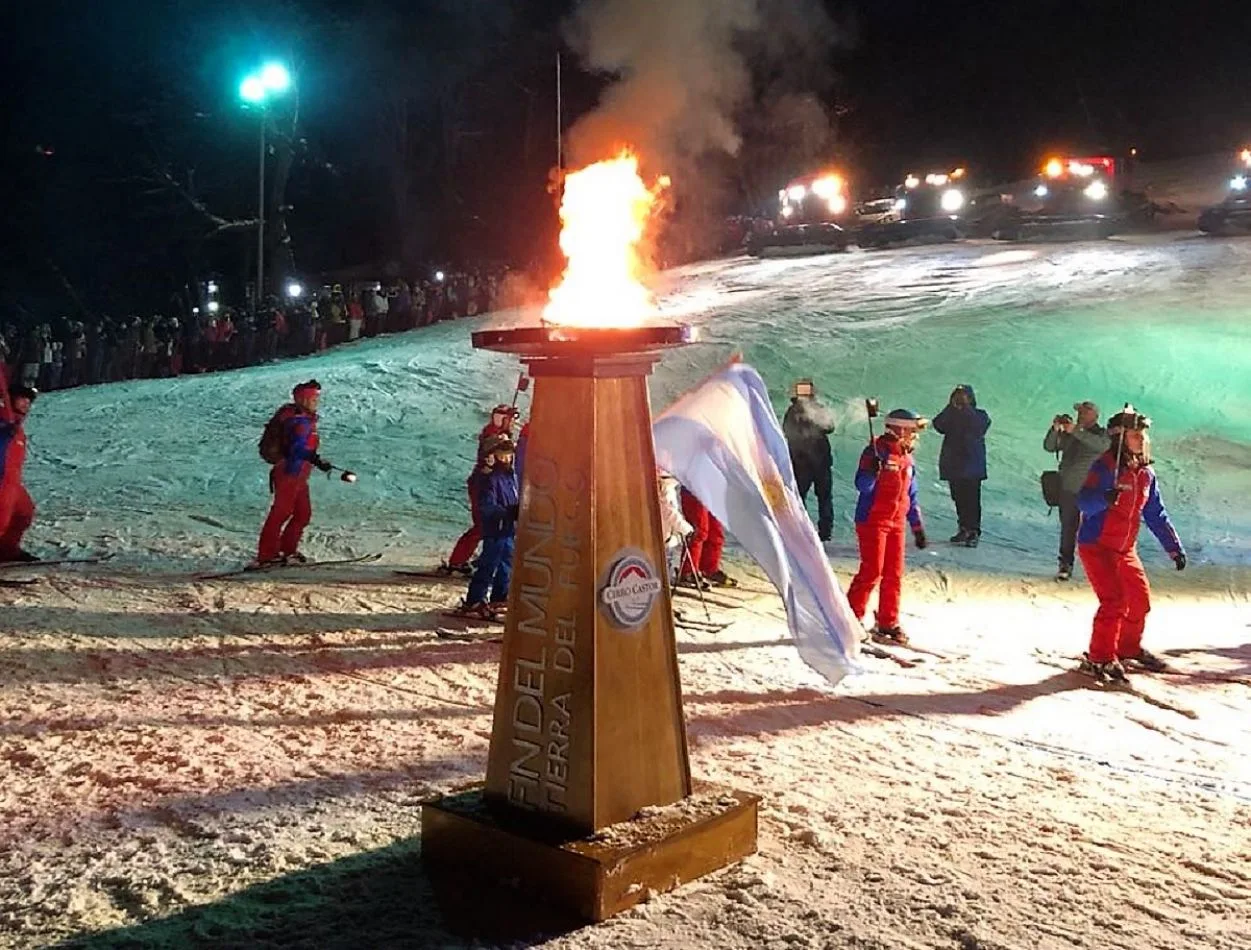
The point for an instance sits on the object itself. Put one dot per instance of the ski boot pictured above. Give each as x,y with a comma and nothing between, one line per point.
295,557
455,570
1109,672
1145,661
1065,572
972,538
692,582
960,537
24,557
479,611
498,606
256,564
720,579
890,635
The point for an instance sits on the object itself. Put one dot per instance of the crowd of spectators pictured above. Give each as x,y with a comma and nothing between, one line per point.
78,352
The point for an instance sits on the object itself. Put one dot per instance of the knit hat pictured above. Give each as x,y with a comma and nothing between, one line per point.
498,443
905,419
311,386
23,392
1129,418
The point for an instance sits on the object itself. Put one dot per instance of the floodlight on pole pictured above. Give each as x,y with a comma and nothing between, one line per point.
273,79
252,90
295,290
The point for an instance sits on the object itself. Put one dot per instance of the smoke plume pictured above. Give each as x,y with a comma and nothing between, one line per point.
685,70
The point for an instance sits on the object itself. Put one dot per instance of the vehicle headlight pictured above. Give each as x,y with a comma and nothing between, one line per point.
901,203
1238,183
797,192
787,211
952,200
838,204
1096,191
1042,191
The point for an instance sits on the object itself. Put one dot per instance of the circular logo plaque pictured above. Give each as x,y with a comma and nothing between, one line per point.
630,589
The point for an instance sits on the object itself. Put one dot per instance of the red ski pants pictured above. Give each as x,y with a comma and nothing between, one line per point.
17,512
881,561
463,550
1124,595
288,516
706,542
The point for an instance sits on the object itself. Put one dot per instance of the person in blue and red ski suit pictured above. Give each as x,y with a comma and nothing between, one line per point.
502,420
17,511
288,480
887,485
498,506
1121,492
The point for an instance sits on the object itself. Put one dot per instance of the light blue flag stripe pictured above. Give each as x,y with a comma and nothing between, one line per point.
722,441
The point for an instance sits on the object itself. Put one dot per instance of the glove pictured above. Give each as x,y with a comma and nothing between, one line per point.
1111,495
1180,560
321,464
877,464
919,537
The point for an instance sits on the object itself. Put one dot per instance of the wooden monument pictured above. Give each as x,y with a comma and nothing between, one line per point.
588,729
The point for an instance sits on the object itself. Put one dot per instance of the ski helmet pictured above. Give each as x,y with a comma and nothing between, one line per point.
24,392
905,420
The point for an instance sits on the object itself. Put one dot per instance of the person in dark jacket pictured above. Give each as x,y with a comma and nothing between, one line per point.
962,460
499,508
1079,443
1119,493
807,426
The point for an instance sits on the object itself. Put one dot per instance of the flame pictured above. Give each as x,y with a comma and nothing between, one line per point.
604,214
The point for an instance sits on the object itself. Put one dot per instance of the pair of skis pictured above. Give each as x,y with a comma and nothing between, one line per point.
278,568
12,567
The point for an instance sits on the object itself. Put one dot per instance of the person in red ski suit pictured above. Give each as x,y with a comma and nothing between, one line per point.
886,481
703,548
292,509
502,420
17,511
1121,492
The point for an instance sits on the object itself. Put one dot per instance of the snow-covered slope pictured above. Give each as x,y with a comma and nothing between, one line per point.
167,470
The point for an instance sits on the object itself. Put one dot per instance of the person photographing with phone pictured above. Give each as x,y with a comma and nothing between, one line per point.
1078,442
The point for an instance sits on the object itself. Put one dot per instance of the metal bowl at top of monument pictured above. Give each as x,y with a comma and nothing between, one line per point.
557,339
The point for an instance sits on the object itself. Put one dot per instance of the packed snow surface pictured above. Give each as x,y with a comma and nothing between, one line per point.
240,763
165,471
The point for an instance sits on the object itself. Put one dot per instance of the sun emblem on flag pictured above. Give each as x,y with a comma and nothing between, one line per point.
774,492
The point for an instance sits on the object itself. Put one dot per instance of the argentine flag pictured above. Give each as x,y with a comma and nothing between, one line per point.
722,441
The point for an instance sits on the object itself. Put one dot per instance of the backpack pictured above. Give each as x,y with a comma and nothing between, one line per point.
1051,489
273,444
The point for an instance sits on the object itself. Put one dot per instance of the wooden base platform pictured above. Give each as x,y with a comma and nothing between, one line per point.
487,866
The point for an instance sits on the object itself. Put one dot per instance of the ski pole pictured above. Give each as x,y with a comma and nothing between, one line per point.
1120,439
699,581
870,408
523,384
346,476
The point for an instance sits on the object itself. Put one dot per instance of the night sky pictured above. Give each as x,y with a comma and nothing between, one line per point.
113,89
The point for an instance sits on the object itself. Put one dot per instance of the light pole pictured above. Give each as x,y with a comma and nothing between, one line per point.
273,79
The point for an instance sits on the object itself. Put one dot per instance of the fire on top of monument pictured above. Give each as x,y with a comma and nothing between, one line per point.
604,212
